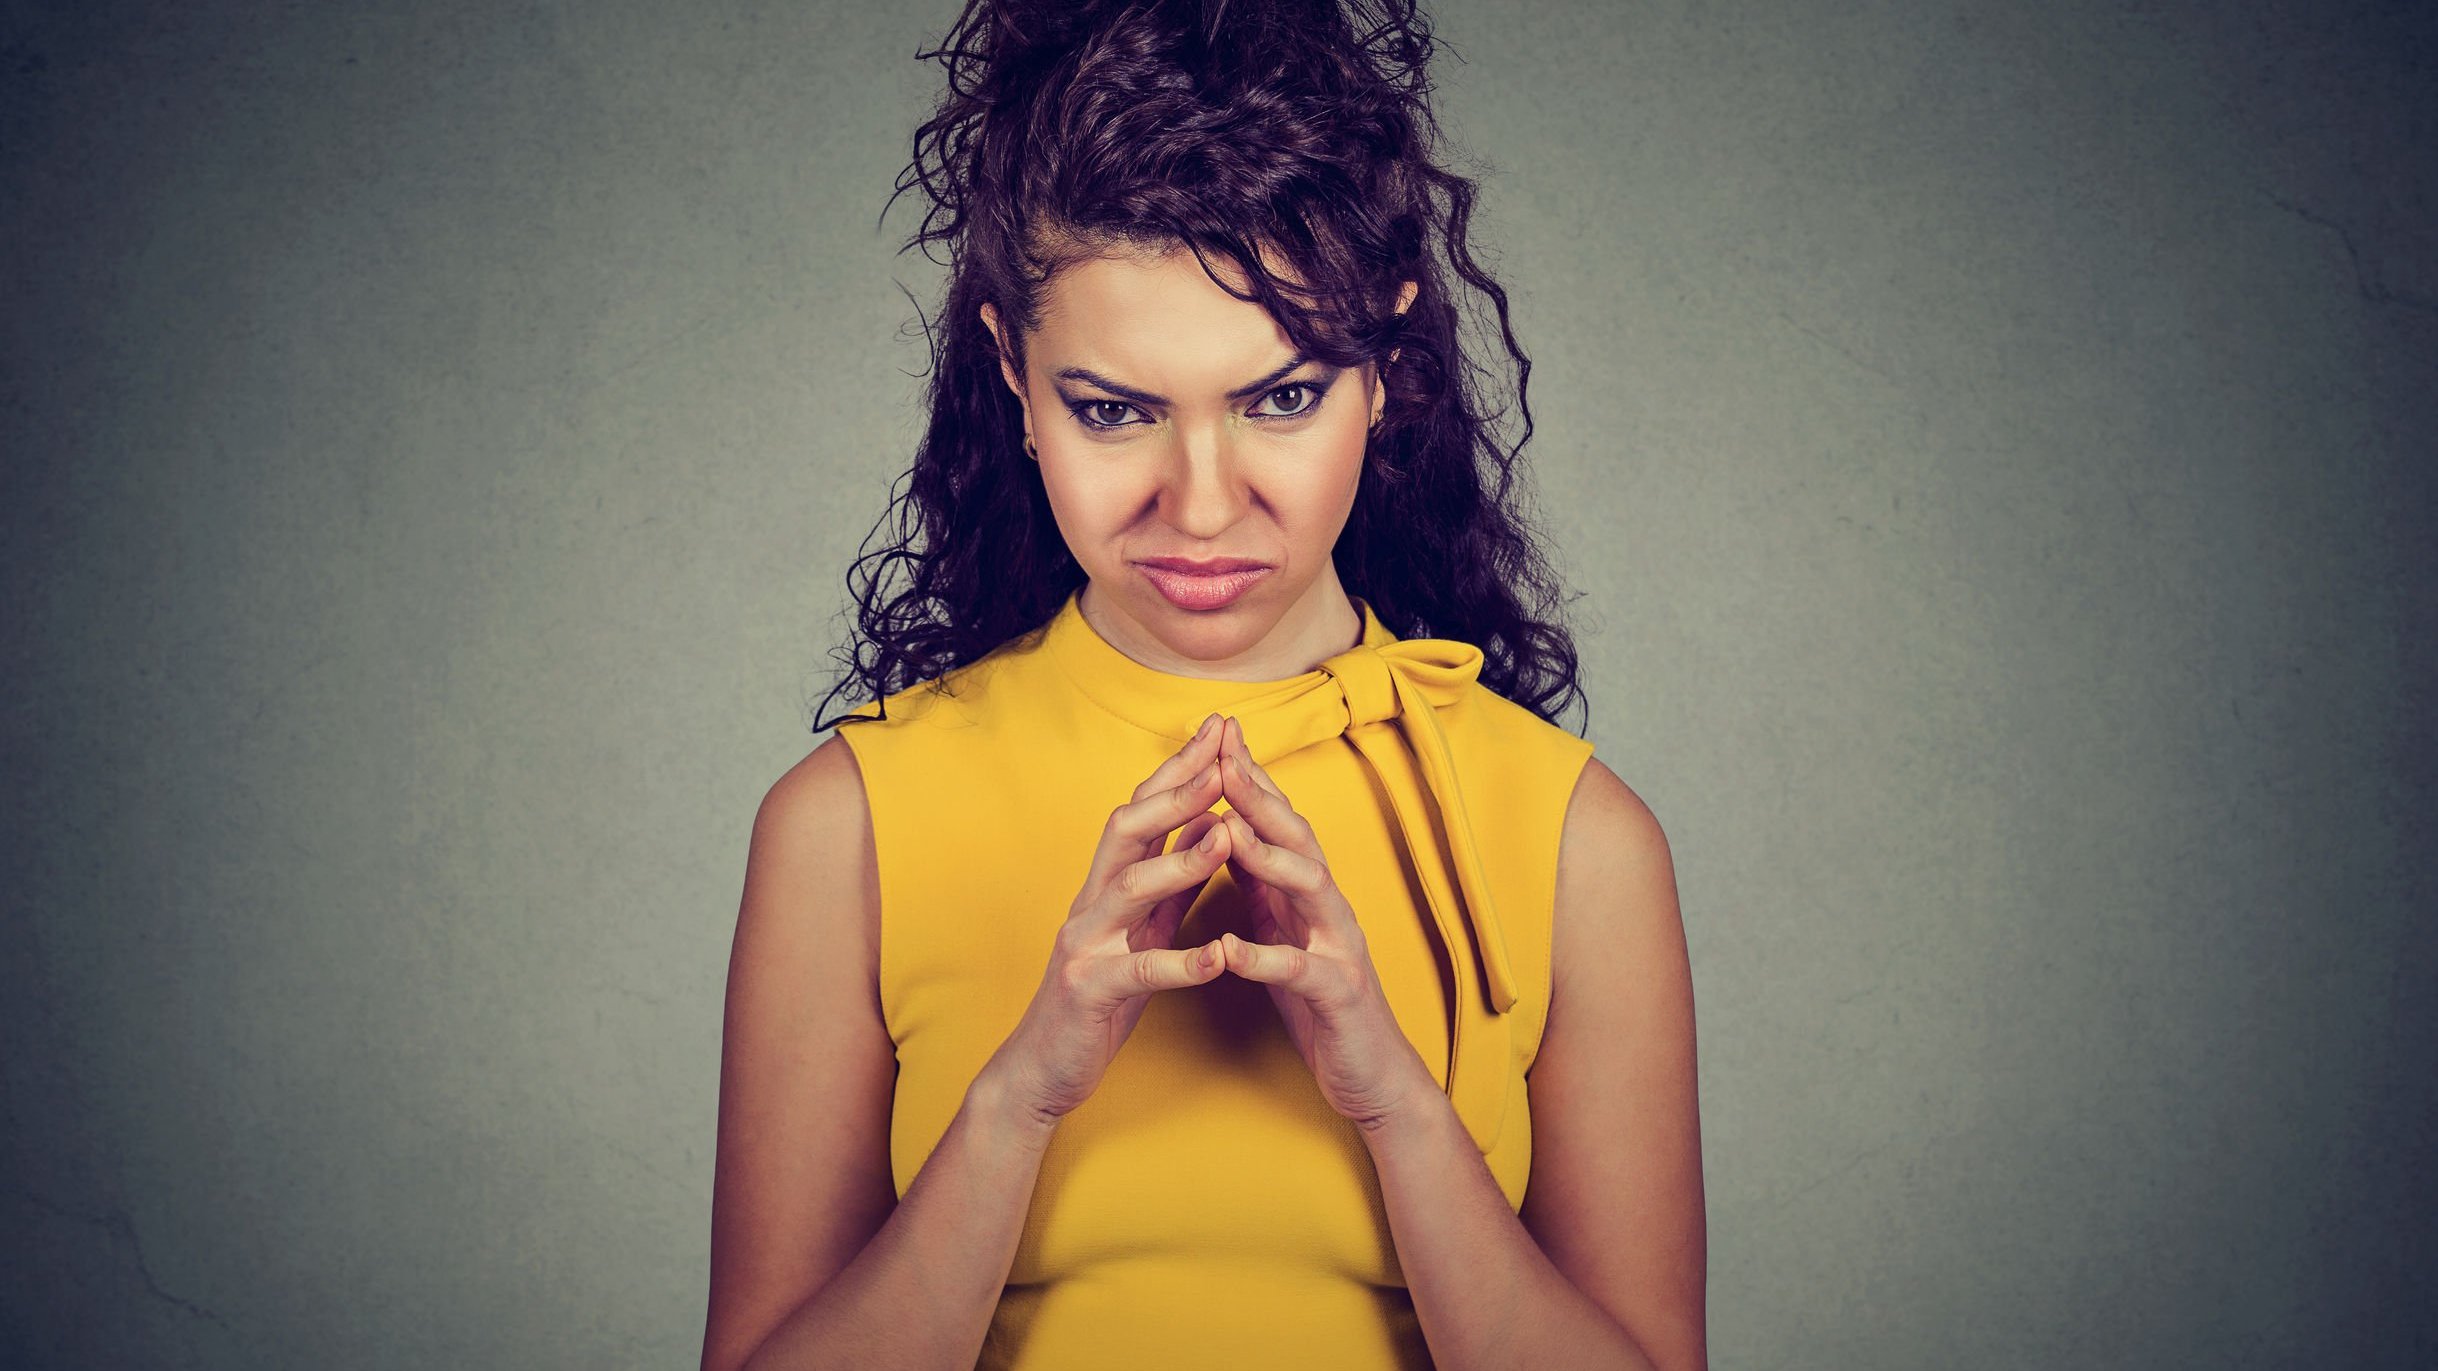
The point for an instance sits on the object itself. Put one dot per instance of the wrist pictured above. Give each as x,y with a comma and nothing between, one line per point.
1004,1115
1422,1111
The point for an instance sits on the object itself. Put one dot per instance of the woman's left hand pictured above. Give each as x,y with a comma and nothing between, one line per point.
1309,952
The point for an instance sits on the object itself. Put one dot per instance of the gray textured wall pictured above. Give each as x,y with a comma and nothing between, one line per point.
1994,441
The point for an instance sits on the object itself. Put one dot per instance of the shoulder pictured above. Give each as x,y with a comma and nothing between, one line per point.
1607,822
1616,902
821,785
814,822
812,871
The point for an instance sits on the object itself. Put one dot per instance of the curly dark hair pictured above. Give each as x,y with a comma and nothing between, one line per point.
1296,131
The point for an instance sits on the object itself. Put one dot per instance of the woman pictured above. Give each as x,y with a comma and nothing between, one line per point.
1171,963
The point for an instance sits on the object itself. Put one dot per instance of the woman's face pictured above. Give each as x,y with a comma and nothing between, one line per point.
1175,422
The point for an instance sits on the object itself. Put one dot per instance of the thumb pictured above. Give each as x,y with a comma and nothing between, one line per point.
1289,968
1163,968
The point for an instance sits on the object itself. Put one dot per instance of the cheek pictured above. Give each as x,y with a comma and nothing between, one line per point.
1089,511
1329,489
1311,499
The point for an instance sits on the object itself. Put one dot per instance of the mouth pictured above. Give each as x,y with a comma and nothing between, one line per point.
1209,585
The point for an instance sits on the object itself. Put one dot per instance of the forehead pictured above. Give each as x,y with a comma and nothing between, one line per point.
1157,321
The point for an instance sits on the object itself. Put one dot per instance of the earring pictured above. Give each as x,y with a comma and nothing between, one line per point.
1030,450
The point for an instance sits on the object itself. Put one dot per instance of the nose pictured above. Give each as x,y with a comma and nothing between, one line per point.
1202,489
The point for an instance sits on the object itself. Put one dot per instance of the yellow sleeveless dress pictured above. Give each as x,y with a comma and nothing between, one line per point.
1205,1207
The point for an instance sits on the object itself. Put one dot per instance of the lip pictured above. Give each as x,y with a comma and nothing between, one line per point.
1197,589
1216,566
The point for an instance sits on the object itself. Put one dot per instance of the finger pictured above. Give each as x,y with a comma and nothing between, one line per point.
1140,886
1137,828
1194,829
1272,817
1318,980
1233,741
1113,980
1306,883
1197,752
1275,915
1160,930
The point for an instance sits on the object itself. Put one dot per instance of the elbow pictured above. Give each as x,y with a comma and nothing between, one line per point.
1672,1349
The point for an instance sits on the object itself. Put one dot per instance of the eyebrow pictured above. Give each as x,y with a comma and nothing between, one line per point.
1145,397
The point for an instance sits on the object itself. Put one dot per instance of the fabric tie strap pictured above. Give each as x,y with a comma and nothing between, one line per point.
1386,696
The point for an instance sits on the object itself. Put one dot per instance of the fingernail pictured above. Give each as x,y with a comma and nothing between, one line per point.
1210,840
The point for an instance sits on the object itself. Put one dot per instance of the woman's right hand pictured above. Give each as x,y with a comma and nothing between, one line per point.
1114,949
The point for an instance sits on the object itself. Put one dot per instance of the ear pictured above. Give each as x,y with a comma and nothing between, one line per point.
1405,298
1007,369
1379,388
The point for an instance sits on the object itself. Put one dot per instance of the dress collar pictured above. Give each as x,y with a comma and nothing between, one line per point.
1165,703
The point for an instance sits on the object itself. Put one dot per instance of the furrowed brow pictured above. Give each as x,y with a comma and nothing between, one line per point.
1145,397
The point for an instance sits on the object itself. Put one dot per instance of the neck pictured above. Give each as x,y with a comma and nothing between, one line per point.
1231,647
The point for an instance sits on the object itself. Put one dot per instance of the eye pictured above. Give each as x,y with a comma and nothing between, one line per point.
1296,389
1085,411
1105,416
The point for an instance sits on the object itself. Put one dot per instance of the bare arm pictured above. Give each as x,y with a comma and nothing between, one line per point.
1605,1264
1616,1192
814,1261
922,1292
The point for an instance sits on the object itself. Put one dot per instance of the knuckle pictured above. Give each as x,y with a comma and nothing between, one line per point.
1329,983
1070,939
